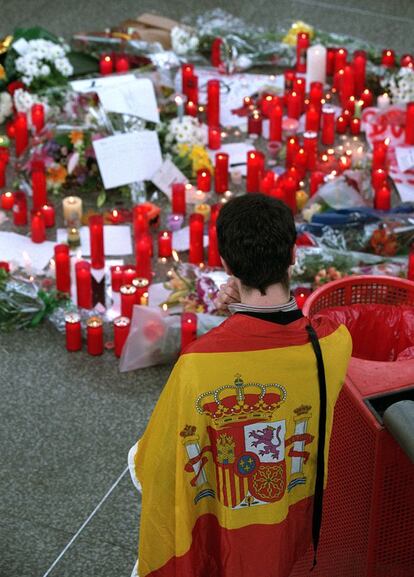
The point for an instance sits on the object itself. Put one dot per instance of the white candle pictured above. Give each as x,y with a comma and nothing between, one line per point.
383,101
72,210
179,101
316,65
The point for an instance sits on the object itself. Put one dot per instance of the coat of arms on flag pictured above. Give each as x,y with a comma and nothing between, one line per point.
248,445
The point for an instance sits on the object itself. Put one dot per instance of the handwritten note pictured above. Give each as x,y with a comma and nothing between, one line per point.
135,97
166,176
405,157
127,158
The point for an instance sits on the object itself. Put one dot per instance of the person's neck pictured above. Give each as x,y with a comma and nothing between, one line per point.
276,294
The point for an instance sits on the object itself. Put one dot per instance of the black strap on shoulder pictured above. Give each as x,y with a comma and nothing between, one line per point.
320,462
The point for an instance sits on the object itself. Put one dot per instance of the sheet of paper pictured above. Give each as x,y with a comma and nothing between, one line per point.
127,158
405,157
166,176
181,239
237,152
92,84
25,253
117,240
136,97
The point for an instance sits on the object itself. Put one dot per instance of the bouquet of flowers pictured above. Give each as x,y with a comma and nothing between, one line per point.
400,85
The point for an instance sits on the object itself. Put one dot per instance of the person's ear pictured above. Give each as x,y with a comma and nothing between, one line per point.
293,256
226,267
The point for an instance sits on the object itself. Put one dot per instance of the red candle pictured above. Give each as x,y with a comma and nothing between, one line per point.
292,146
143,257
117,277
356,126
255,170
196,239
379,154
289,188
367,98
410,270
341,56
62,267
275,124
267,103
83,284
38,228
141,284
10,129
164,244
290,76
39,186
20,209
313,118
213,103
48,211
214,259
388,58
294,104
328,125
106,65
121,331
317,178
299,86
178,198
407,61
188,329
310,145
73,332
3,165
96,233
382,198
215,55
215,209
21,133
302,45
214,138
7,201
128,300
94,336
122,64
141,223
187,72
347,87
359,65
341,124
4,265
301,294
300,162
409,124
191,108
379,178
316,93
221,173
38,117
128,274
204,180
254,124
192,89
330,61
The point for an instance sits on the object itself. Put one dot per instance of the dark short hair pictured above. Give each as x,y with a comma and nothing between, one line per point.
256,235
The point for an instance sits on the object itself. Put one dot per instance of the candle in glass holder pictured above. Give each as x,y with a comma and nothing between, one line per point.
294,104
204,180
310,145
106,65
39,187
178,198
204,210
289,189
121,331
214,212
83,284
317,178
94,336
355,126
379,154
388,58
192,90
215,55
410,268
187,72
20,209
313,118
266,104
117,273
407,61
7,201
341,56
255,123
290,76
38,117
21,133
275,124
341,124
347,85
164,244
292,146
255,170
188,329
214,259
62,268
38,228
328,125
73,332
214,137
409,124
143,257
316,65
128,274
367,98
221,173
382,198
191,108
175,222
330,61
140,221
379,178
128,299
359,65
3,165
316,94
196,239
122,64
213,103
302,45
96,233
48,211
72,210
141,284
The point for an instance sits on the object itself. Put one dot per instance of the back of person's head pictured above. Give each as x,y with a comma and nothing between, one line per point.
256,236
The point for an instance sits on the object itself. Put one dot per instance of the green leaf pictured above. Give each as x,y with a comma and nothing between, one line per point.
100,201
83,63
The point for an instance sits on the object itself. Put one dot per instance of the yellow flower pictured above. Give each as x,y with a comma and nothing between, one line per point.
2,73
298,26
200,159
57,174
183,149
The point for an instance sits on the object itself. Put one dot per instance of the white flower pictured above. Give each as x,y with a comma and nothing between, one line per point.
6,106
45,70
183,40
401,86
23,100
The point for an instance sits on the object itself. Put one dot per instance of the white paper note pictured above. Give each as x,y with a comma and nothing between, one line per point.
127,158
92,84
25,253
166,176
117,240
405,157
181,239
136,98
237,152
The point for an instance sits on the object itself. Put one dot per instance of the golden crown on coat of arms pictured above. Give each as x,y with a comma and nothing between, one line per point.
241,402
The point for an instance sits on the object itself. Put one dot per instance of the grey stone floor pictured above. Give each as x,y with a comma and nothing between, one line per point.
68,420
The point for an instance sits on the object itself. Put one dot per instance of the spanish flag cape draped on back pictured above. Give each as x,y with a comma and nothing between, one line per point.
228,461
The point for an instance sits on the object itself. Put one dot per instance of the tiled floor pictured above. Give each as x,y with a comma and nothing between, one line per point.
67,421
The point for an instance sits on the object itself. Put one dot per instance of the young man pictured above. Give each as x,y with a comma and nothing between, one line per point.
232,462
